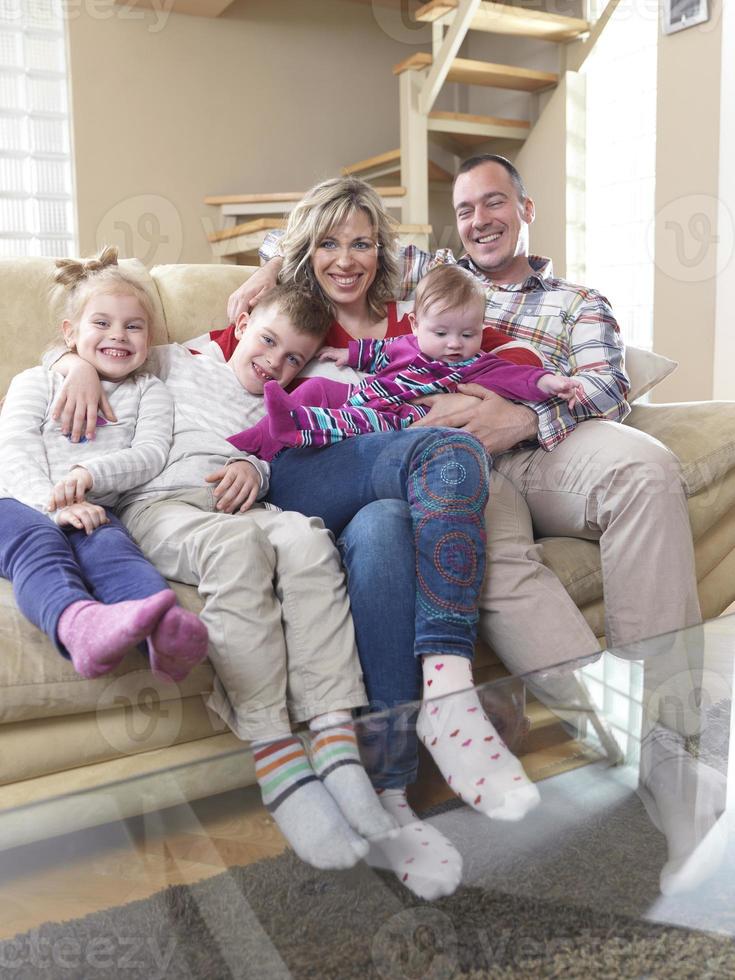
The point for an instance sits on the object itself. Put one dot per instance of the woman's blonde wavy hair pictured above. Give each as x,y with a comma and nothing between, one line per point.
82,278
316,216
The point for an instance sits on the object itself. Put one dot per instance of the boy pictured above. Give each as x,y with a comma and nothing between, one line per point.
443,351
275,602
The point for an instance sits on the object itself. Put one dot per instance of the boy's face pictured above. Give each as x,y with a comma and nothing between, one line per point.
451,335
270,349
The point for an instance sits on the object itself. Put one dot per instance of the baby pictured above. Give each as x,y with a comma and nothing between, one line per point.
443,352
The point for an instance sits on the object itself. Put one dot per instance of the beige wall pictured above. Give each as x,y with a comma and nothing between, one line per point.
272,96
687,195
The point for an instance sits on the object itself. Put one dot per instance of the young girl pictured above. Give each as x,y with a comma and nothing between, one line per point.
443,351
76,572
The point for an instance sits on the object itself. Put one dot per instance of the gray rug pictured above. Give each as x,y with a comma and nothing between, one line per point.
280,918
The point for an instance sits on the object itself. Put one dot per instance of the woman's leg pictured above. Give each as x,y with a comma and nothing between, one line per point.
443,475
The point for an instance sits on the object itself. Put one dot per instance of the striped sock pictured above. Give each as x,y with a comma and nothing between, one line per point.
305,812
336,760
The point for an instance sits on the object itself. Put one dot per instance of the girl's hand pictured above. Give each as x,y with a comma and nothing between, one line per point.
558,384
80,400
71,490
340,355
87,517
238,484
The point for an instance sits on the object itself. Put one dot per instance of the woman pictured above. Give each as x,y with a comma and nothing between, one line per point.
339,244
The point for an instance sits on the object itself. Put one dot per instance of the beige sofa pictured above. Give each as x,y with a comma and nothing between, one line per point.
61,734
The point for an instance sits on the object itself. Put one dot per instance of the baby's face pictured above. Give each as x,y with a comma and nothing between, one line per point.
451,335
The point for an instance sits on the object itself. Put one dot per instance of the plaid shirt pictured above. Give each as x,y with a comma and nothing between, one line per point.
573,327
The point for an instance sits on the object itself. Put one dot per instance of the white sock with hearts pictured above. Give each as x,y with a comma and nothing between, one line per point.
463,742
419,855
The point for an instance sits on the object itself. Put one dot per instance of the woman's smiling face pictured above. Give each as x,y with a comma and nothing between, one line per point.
345,262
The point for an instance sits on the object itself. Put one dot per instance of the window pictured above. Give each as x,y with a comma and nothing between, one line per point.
621,166
36,193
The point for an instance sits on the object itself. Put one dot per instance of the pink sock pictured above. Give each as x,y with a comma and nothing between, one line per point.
178,643
280,423
97,636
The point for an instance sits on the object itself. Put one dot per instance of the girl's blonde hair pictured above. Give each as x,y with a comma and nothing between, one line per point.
82,278
316,216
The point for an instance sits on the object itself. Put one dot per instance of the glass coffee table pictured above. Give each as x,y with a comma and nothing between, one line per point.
624,869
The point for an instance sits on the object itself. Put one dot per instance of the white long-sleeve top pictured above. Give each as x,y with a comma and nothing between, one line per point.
34,455
209,405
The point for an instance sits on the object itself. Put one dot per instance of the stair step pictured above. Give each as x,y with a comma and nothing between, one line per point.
499,18
283,197
470,72
470,130
389,164
246,228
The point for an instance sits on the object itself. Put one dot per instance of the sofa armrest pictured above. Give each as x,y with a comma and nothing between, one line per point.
700,434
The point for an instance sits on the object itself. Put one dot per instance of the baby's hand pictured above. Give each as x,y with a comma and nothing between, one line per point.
83,516
340,355
557,384
71,490
238,484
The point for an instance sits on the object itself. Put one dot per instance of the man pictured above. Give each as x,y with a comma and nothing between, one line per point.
578,474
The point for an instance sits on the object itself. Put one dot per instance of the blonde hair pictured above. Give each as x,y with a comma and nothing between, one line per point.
83,278
319,212
448,287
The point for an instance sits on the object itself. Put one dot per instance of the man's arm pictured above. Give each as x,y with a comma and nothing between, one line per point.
497,423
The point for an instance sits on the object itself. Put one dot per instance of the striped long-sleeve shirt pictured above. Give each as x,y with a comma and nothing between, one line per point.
573,327
34,455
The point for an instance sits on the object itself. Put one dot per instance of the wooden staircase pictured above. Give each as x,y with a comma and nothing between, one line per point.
247,218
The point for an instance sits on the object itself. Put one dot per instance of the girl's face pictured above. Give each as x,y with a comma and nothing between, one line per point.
111,335
345,262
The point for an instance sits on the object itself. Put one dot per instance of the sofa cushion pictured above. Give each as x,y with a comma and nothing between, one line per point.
700,434
36,681
645,369
30,316
194,297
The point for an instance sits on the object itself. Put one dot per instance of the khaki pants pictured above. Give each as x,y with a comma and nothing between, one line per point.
275,604
605,482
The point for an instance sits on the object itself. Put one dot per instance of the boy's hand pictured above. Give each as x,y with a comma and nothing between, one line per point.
71,490
340,355
80,399
83,516
558,384
238,484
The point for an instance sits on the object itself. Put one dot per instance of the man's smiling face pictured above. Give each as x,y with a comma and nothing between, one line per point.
493,222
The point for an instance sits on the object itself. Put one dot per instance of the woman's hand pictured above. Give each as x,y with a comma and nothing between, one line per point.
496,422
83,516
71,490
246,297
237,487
80,400
340,355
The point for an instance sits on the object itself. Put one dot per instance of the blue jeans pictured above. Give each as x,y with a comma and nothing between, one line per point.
413,571
443,475
378,554
51,567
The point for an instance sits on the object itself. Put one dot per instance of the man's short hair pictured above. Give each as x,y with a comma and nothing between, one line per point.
306,312
448,287
471,163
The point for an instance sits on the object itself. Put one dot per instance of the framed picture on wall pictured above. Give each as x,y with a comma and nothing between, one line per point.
680,14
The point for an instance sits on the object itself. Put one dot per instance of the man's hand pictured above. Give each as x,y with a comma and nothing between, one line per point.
81,399
237,487
246,297
71,490
83,516
340,355
496,422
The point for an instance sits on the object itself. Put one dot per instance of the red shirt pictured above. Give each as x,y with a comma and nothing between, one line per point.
338,337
